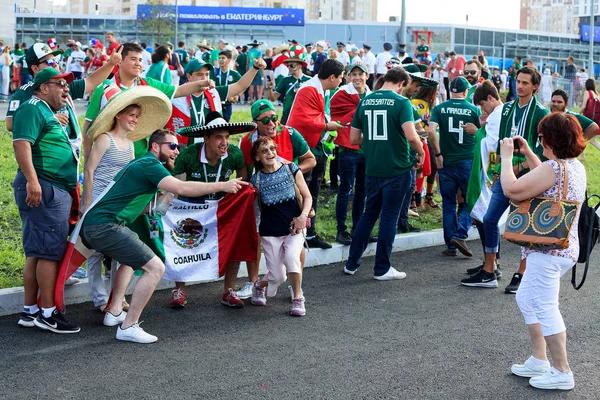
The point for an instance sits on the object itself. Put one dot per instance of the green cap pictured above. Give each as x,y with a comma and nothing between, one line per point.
195,65
357,65
259,107
50,73
459,84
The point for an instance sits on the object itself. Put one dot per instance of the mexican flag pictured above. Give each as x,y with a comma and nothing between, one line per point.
310,111
200,239
479,191
343,107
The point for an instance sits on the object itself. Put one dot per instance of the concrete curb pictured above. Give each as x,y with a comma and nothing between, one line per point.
11,300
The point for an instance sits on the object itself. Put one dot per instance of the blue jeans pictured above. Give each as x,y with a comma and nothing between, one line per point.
498,204
227,110
452,178
406,199
352,173
382,200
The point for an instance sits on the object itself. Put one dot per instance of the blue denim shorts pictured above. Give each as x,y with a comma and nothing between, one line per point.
45,228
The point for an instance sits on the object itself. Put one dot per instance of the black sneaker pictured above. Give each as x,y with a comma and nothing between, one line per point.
461,245
344,238
56,323
318,243
27,319
408,228
514,284
481,279
474,270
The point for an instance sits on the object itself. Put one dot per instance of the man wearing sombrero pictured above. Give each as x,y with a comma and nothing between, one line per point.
193,109
214,160
204,51
256,91
289,85
280,69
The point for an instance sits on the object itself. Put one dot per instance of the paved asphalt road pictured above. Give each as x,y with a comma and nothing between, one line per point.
425,337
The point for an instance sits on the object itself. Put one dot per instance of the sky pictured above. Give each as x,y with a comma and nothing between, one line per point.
503,14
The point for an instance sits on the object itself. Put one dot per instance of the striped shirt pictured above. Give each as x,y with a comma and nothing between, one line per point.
113,161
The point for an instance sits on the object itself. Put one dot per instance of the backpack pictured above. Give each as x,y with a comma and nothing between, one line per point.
592,108
588,231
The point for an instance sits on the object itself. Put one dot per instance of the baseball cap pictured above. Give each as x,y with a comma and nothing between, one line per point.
387,46
50,73
38,51
259,107
459,84
222,41
357,65
196,65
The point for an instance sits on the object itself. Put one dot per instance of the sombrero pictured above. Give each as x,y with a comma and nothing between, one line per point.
204,45
155,111
282,48
416,73
216,123
255,43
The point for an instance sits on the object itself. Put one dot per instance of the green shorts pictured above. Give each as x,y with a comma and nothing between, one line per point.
117,242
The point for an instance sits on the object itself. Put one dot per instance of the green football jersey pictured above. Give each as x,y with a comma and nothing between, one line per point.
192,161
132,190
584,121
287,89
380,116
52,156
455,144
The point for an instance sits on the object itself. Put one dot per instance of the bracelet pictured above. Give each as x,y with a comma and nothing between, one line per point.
305,214
254,66
438,154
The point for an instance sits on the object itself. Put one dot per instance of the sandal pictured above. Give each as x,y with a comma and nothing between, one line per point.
430,202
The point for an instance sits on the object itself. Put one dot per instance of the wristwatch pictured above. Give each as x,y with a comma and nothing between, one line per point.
438,154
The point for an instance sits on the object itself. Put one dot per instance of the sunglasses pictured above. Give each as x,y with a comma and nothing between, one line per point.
266,120
62,84
51,62
471,72
266,150
172,145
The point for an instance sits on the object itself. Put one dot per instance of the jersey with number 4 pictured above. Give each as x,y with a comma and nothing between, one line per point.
380,116
456,145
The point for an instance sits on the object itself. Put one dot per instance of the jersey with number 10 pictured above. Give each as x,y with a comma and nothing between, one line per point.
380,117
455,144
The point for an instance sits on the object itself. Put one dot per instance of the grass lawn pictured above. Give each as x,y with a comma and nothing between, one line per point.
11,252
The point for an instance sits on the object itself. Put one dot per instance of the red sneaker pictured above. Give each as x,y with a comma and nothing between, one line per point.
178,298
231,299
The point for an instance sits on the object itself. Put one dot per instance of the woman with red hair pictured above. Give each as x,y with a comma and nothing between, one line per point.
562,140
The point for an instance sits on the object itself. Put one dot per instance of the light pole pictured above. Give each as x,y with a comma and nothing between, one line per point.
403,23
592,73
176,21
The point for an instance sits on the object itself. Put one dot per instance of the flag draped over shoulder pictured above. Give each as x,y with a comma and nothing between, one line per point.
343,107
307,114
201,239
479,191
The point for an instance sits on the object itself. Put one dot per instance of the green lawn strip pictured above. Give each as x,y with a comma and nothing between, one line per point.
11,250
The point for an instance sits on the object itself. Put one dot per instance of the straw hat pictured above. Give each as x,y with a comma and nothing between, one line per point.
217,123
204,45
282,48
155,111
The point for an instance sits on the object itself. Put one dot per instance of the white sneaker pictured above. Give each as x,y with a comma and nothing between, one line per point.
554,379
528,369
246,291
348,271
114,320
135,334
391,275
71,281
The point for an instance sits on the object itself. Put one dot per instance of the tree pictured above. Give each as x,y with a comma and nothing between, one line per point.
157,20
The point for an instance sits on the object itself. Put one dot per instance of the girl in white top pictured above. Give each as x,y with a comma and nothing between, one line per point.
562,139
111,152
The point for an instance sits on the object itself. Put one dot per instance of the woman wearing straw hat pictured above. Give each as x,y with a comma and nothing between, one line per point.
112,150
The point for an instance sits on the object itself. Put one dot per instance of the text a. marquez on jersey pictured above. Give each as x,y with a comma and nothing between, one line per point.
379,102
456,111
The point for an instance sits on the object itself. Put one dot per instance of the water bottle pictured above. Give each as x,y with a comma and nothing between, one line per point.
164,204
